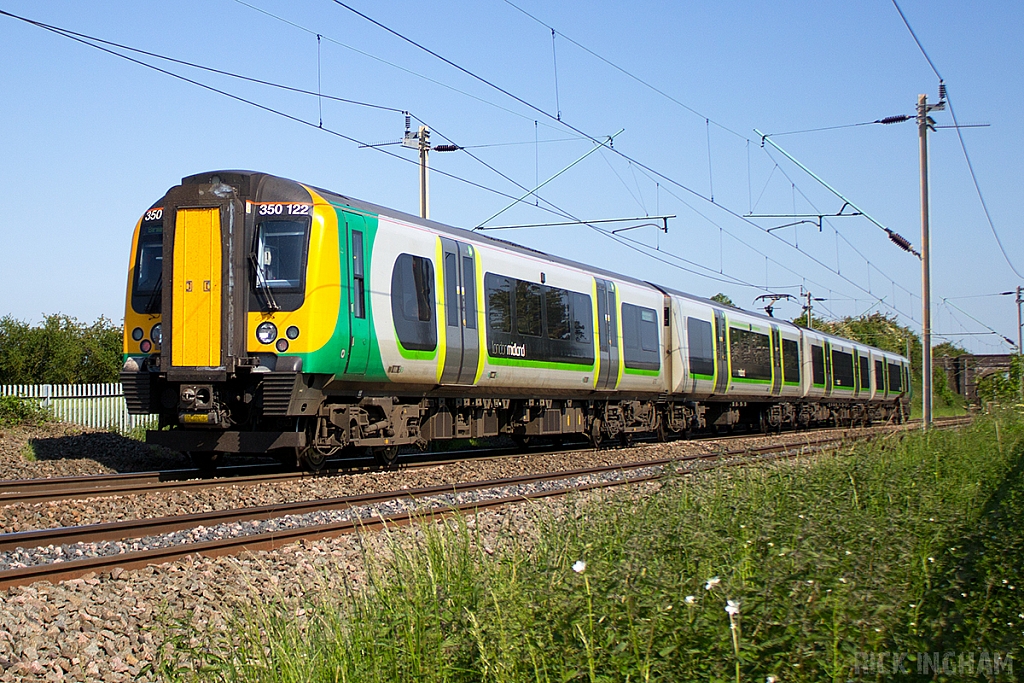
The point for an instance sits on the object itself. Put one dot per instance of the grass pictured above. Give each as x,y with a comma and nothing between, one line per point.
28,453
890,551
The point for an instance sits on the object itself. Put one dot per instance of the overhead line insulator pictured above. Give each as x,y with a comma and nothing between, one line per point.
899,118
900,241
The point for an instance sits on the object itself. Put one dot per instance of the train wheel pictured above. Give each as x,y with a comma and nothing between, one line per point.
386,456
595,433
312,459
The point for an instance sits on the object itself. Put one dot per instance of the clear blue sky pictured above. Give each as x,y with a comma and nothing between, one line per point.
88,140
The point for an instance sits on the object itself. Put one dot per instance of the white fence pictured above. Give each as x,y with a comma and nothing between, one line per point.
91,405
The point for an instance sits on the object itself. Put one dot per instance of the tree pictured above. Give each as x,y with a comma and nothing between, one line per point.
59,351
723,299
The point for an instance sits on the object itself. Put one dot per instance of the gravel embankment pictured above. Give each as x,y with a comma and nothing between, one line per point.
58,449
24,557
109,627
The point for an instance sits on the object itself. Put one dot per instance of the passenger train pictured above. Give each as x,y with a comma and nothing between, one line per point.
264,315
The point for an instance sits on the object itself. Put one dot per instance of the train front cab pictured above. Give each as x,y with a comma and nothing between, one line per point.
237,309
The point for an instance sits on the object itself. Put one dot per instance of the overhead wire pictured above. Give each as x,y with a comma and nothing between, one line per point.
388,63
85,40
201,67
960,136
836,230
574,129
627,73
987,327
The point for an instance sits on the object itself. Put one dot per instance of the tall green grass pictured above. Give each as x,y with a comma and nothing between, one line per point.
910,544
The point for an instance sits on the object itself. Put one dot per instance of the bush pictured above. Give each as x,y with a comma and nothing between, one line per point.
59,351
16,411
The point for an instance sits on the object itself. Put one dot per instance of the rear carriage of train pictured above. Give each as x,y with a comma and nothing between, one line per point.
854,382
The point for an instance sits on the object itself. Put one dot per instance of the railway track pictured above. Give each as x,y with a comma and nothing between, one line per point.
366,511
105,485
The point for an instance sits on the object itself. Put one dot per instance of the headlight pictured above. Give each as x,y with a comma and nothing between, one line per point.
137,334
266,333
282,345
292,332
156,334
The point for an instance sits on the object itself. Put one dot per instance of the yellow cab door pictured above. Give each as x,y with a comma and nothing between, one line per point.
196,298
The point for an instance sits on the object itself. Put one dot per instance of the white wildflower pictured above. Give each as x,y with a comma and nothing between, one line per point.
842,579
689,599
800,516
770,679
732,607
1005,581
770,544
712,582
931,559
810,582
579,566
848,552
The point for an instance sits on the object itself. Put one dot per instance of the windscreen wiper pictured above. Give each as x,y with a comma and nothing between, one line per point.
155,296
262,285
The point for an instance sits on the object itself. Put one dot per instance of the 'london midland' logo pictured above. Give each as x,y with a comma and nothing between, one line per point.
509,350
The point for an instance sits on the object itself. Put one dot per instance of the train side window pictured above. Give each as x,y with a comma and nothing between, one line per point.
817,364
358,276
879,376
790,361
412,302
528,307
865,379
702,348
499,302
556,310
648,330
895,378
640,338
469,280
750,353
582,318
842,368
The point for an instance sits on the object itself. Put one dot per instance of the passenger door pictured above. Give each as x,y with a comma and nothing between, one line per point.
608,335
721,353
462,336
355,272
776,361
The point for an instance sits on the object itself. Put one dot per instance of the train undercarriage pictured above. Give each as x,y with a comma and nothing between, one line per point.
293,416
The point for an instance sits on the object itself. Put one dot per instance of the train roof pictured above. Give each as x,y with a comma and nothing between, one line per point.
470,235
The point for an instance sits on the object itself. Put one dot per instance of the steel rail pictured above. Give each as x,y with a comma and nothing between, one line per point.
269,540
